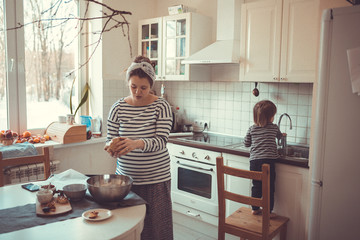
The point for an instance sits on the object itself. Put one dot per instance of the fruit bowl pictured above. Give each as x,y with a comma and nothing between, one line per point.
7,142
8,137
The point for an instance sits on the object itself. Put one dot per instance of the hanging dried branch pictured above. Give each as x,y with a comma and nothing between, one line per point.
111,22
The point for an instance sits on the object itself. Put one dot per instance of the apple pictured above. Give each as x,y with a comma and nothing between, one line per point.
8,134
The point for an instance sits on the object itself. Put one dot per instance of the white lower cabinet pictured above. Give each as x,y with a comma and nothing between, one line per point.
291,198
234,184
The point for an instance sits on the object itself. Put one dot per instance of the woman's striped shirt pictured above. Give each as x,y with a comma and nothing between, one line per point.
262,141
152,124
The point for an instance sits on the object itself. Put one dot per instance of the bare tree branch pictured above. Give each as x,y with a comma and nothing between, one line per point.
110,23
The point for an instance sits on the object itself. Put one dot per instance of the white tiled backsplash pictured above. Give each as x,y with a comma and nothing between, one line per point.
228,105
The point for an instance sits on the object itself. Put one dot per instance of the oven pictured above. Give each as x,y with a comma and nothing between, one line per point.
194,180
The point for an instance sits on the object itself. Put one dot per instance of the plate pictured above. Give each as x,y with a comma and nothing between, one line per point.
102,214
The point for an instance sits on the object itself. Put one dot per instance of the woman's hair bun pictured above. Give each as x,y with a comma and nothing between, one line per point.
140,59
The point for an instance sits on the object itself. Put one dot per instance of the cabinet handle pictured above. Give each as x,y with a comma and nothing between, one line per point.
199,168
182,152
275,78
282,79
317,182
11,65
192,214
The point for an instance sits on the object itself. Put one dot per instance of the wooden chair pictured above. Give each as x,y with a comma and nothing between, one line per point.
242,222
9,162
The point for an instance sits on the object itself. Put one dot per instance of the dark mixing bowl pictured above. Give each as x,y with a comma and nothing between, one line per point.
109,187
75,192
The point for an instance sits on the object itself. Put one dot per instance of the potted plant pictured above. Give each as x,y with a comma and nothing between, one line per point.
85,96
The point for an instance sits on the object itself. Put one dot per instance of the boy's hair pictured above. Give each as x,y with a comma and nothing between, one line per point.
263,112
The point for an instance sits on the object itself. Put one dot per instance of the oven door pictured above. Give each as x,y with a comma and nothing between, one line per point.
194,184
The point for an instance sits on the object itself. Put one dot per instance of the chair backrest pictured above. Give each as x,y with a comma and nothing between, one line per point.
223,194
9,162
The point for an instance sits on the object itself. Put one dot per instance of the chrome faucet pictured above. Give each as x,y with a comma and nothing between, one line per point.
283,142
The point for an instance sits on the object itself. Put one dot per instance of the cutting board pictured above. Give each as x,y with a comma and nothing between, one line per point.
61,208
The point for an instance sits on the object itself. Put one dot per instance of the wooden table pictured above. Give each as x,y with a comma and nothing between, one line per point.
125,223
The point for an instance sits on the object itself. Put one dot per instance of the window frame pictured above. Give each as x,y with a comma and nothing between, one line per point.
15,67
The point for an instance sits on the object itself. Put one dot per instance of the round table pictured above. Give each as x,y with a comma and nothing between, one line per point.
125,223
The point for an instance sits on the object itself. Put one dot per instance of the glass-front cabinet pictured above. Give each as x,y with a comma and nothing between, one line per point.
175,51
169,40
150,41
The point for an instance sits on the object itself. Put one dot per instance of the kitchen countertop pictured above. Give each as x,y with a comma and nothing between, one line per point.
176,138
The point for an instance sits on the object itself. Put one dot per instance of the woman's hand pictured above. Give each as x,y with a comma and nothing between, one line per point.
122,146
114,146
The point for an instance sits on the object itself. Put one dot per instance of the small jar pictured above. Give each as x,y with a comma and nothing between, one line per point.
187,128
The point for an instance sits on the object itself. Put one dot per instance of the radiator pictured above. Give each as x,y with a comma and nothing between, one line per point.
28,173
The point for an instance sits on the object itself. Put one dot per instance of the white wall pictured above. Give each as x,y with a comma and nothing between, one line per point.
117,54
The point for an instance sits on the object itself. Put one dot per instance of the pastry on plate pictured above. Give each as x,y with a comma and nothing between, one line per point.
62,199
93,214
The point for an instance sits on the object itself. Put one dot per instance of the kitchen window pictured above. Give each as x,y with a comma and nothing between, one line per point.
35,79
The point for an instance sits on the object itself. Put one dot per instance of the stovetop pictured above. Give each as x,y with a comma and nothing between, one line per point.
219,140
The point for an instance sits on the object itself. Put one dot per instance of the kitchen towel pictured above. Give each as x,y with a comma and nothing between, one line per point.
21,217
18,150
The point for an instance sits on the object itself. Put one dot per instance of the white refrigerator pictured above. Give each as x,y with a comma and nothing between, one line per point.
335,185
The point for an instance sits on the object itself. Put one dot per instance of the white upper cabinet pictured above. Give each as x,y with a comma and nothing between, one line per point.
279,41
149,33
169,40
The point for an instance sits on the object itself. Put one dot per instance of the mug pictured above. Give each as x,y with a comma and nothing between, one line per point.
187,128
70,119
62,119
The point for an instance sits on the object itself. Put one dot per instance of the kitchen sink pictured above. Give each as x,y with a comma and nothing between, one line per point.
296,151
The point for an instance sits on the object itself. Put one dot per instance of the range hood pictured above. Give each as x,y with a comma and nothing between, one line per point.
226,49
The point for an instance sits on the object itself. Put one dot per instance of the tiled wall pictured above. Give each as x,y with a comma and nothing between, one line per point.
228,105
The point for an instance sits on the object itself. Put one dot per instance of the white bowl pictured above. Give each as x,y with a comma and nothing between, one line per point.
44,196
